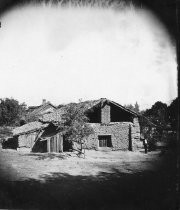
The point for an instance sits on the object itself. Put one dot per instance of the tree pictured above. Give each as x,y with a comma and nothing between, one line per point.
11,111
158,114
129,106
173,113
134,107
154,122
74,124
29,117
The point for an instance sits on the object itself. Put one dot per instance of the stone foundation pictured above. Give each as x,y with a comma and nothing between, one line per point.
24,149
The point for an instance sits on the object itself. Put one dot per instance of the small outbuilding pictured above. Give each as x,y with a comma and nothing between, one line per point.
38,137
35,112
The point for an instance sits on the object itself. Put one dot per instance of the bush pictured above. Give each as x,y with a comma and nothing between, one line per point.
5,132
11,112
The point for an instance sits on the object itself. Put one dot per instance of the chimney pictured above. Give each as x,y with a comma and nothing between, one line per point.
106,114
43,101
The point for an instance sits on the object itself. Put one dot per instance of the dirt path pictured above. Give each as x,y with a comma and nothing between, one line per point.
19,166
103,180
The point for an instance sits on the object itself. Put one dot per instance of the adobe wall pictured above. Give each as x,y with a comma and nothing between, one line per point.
135,133
119,135
26,140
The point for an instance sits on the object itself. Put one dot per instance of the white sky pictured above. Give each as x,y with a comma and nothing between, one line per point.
64,54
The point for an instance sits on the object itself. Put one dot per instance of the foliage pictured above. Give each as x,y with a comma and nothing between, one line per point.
74,124
94,3
158,120
173,113
134,107
31,118
5,132
60,106
11,111
151,121
158,114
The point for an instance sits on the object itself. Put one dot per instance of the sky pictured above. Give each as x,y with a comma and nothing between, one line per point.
63,54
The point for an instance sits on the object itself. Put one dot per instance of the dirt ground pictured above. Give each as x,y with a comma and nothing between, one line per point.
101,180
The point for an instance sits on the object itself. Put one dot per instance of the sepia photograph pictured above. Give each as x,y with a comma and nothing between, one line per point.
89,106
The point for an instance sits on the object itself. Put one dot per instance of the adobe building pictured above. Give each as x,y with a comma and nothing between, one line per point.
34,112
38,137
115,128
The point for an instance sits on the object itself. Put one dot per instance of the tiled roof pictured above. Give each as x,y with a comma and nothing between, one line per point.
39,109
56,116
30,127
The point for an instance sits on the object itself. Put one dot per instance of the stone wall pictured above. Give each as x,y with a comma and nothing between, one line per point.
106,114
135,132
24,149
119,132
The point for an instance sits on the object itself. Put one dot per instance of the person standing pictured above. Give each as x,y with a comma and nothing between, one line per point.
144,143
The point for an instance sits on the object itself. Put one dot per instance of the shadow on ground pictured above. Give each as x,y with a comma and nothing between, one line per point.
147,190
44,156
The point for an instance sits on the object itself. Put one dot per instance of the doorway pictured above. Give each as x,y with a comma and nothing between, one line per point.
105,141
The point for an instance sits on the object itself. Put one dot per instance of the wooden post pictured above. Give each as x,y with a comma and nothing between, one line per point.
84,153
54,144
48,145
57,143
60,142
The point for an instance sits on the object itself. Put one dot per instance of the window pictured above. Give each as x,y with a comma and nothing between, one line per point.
105,141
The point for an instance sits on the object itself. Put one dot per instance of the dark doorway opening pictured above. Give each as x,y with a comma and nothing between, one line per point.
130,139
40,146
105,141
10,143
67,145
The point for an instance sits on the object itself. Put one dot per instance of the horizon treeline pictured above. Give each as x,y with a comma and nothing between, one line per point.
12,113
